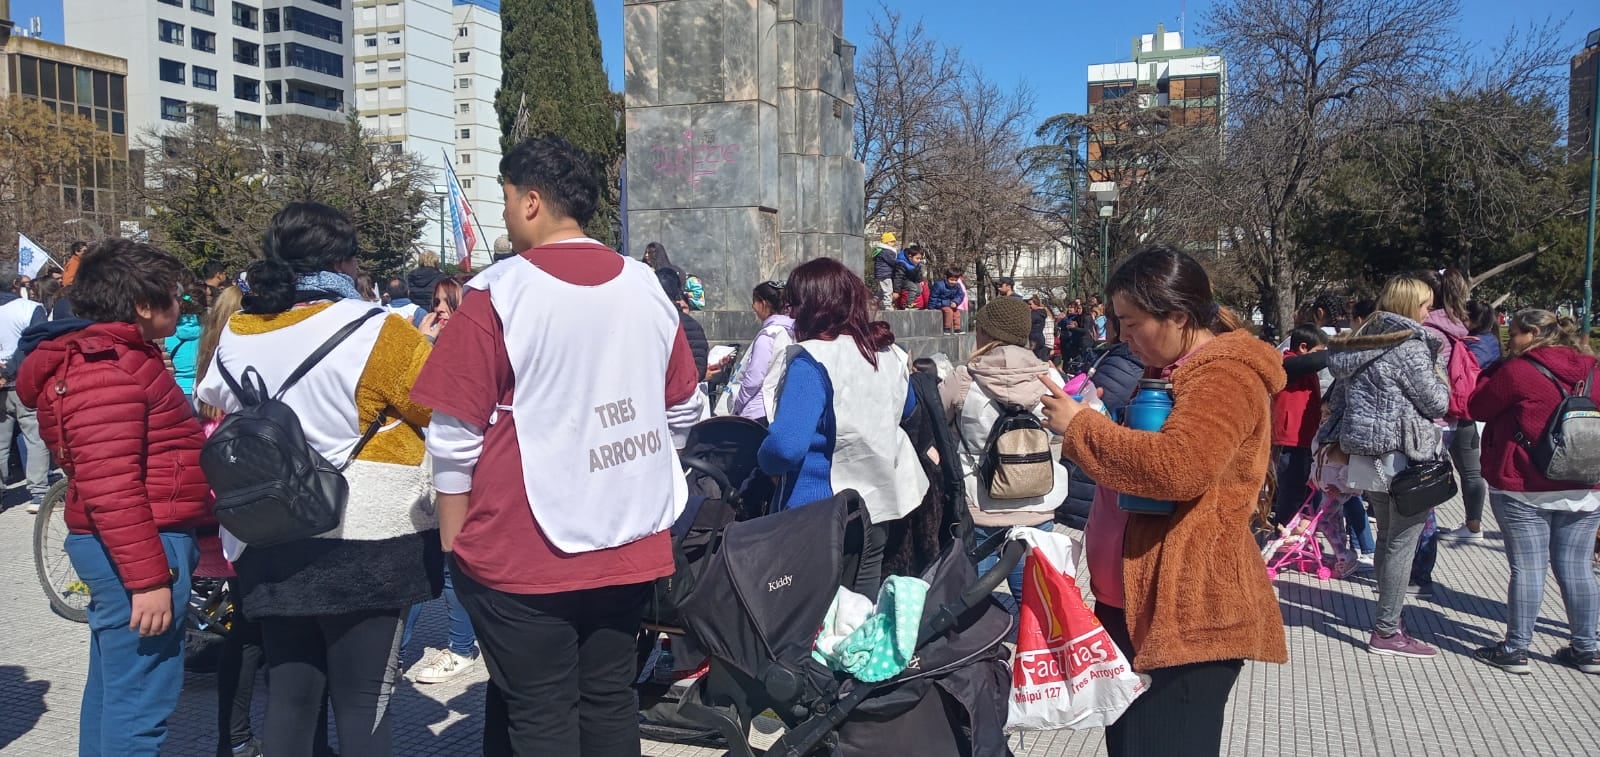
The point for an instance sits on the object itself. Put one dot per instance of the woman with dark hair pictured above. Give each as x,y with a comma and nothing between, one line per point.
446,299
1547,523
330,606
744,396
1485,329
823,439
1448,319
692,292
1185,595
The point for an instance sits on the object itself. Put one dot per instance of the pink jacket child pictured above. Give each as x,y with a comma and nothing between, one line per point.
212,563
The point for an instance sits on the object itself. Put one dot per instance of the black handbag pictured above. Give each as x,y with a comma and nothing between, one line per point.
1422,487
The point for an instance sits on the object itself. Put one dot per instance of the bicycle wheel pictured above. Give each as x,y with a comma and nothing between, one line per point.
69,597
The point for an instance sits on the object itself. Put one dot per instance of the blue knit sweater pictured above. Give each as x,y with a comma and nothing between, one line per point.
799,444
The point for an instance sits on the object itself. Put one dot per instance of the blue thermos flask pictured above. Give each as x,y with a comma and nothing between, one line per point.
1148,412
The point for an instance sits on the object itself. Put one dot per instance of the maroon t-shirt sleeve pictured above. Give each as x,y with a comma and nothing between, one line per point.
683,376
469,369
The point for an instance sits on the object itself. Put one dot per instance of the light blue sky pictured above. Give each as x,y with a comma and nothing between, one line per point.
1046,43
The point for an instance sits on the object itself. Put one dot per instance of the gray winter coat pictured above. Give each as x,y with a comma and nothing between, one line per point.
1392,406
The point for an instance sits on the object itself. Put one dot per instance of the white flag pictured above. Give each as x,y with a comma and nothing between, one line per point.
30,257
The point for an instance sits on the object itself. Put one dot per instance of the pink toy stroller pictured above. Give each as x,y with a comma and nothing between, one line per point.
1297,547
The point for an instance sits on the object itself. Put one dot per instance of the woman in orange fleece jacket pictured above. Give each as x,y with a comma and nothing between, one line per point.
1185,595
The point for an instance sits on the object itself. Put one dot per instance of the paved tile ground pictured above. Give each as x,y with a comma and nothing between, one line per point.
1332,698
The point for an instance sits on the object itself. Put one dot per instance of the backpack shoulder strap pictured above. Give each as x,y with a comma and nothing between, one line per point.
1549,375
322,351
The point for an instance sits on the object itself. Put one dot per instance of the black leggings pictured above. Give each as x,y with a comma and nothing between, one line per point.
1181,714
352,659
236,680
242,658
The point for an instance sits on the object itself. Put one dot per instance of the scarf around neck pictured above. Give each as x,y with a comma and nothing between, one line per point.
342,287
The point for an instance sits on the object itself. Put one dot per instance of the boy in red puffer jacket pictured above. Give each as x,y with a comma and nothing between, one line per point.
126,437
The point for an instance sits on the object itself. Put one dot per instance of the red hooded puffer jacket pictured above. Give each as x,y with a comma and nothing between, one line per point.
123,432
1513,397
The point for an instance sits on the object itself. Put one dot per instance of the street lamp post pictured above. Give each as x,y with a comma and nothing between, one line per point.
1105,243
1105,193
1594,184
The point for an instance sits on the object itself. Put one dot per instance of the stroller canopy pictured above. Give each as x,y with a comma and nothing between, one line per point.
765,591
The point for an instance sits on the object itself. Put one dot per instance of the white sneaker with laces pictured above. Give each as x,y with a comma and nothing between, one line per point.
1463,534
443,667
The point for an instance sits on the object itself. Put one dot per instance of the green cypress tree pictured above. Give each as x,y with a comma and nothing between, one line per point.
550,50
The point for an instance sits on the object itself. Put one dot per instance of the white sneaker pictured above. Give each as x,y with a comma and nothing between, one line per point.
1364,563
1463,534
442,667
33,507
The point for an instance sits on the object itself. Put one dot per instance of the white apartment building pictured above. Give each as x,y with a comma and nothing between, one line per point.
248,60
477,127
405,88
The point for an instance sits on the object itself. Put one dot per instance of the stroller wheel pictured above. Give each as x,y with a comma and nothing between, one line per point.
1272,574
1324,572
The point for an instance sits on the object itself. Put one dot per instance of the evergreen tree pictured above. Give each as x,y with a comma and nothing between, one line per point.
550,50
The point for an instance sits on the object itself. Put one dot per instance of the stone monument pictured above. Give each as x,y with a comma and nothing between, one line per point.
740,139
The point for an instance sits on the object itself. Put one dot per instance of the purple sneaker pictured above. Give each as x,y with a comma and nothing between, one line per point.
1399,645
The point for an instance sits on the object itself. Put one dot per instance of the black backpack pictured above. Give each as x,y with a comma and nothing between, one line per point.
271,486
1569,448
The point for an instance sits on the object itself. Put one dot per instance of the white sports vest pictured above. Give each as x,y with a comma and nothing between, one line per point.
590,401
871,453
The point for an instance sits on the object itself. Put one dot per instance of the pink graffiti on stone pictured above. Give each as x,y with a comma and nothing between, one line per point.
693,161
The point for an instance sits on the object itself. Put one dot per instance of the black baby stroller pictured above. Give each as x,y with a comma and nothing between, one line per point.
725,486
759,595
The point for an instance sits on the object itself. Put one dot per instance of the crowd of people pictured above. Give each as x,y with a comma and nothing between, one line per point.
510,442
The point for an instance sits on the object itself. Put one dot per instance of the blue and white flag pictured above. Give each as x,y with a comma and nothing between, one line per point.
461,218
30,257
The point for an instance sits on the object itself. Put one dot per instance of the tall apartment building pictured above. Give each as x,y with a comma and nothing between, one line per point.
477,134
1163,73
1585,66
247,60
404,86
426,73
83,83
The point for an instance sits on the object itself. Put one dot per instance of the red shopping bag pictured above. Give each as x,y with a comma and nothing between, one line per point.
1067,672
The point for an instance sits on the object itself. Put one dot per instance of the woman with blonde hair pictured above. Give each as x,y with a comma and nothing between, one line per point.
1545,522
1388,393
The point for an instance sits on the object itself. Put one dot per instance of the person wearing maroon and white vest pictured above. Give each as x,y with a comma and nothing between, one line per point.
561,392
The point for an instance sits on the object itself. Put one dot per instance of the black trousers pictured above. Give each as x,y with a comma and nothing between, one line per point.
561,669
242,658
1181,714
1294,467
352,659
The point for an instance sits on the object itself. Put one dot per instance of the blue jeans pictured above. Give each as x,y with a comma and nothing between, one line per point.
1563,541
1015,579
133,683
463,641
1360,528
